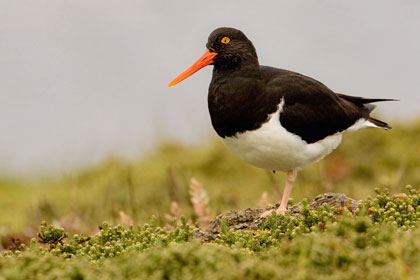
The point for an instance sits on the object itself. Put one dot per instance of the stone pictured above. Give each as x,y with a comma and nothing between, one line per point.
250,220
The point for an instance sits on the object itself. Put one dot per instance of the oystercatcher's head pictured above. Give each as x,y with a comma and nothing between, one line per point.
226,48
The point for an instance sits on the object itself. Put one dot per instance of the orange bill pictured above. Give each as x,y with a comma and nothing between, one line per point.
204,60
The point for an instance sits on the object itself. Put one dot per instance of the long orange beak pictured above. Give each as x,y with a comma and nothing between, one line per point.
204,60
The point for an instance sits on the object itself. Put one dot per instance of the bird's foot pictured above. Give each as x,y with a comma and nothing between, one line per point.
281,211
268,213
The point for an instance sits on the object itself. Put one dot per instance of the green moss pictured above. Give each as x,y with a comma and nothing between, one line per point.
325,243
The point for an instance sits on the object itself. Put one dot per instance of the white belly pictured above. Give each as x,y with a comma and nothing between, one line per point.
273,147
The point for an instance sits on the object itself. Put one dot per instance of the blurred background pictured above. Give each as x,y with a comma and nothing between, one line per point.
89,128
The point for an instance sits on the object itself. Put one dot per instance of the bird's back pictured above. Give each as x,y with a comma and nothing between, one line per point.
311,110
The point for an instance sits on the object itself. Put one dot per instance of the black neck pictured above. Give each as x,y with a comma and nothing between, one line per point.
237,99
246,67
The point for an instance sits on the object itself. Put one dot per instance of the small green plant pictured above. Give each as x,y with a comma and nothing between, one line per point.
51,235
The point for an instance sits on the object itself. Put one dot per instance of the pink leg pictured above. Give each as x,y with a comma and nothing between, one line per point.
290,179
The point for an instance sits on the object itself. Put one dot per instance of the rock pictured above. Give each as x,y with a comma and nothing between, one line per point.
250,220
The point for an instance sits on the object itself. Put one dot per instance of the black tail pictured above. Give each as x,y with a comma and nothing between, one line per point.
379,123
365,103
362,100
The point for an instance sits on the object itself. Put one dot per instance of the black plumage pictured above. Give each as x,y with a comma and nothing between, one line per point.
243,94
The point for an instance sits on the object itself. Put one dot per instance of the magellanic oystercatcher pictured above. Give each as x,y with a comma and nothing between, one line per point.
272,118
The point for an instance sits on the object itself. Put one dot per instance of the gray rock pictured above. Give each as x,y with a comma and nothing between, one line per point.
250,220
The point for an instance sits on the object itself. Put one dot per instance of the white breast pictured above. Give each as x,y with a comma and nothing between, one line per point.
273,147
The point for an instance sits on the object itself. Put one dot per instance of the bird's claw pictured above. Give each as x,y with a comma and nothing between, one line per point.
270,212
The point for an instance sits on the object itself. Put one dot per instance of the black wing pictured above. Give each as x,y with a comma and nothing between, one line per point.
311,110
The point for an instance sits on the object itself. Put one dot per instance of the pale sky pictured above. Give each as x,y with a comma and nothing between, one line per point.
81,80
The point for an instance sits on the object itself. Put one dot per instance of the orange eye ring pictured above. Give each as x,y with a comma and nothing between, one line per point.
225,40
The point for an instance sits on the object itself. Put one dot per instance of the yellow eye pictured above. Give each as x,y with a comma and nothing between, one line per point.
225,40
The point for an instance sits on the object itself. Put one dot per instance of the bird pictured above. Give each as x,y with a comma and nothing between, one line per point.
273,118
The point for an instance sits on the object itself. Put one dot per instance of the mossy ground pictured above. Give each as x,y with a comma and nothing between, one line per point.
378,241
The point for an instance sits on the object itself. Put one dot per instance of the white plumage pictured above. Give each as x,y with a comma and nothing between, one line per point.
273,147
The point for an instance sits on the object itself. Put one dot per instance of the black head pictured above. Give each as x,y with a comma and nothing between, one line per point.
227,48
232,47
